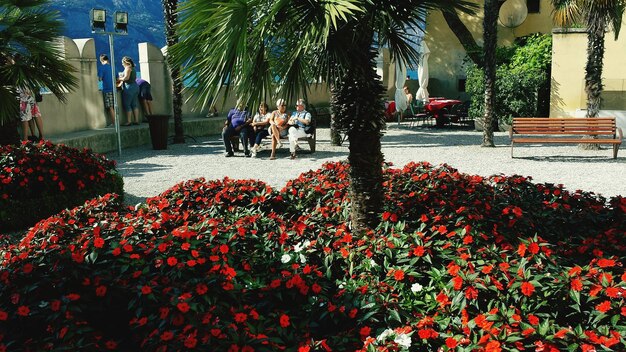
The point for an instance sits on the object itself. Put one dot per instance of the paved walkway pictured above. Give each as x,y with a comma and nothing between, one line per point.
148,172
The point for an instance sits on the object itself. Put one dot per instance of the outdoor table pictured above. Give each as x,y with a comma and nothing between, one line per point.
435,107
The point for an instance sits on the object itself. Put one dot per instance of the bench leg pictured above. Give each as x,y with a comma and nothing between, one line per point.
312,142
615,149
511,150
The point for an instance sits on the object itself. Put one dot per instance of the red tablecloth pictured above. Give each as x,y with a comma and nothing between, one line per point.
436,105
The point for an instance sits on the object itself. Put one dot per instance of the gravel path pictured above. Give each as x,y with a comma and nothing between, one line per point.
149,172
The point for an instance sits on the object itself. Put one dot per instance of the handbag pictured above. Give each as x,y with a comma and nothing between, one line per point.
309,129
38,97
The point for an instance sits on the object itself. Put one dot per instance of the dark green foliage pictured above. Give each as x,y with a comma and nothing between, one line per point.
38,180
522,73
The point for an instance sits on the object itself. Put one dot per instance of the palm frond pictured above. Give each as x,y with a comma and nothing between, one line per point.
30,55
566,13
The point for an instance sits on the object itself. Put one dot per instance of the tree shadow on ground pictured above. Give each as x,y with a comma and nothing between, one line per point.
431,137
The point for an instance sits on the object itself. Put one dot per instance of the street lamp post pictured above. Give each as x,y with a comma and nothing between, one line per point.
98,26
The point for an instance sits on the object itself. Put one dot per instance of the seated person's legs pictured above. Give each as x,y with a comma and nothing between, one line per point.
227,133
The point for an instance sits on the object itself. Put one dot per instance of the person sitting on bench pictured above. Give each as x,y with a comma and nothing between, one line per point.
298,121
238,123
278,125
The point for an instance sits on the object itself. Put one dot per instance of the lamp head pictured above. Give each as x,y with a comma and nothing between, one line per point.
98,20
121,21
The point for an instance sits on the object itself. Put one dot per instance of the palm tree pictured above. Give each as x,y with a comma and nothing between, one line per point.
598,16
273,47
490,38
29,57
170,9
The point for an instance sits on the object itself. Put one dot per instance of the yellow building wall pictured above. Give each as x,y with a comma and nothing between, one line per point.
569,56
446,62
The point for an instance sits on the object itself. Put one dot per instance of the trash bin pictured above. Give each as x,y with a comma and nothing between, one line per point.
158,130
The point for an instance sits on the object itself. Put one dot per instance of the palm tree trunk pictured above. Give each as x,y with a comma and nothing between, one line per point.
357,105
366,179
335,136
593,76
490,35
170,8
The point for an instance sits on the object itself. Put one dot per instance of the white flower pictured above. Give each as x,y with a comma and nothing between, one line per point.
285,258
373,263
416,287
383,335
403,340
302,259
300,246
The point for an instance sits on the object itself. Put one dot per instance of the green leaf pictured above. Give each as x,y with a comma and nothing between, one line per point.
394,315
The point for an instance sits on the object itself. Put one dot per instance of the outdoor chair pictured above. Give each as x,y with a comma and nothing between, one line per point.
418,113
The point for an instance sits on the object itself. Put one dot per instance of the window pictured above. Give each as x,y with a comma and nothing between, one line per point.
461,84
533,6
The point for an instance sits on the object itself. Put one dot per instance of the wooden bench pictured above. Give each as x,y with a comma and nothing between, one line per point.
311,140
566,130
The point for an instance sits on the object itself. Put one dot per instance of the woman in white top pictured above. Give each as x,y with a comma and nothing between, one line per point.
260,122
278,125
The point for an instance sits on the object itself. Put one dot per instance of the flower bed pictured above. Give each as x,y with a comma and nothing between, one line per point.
38,180
459,262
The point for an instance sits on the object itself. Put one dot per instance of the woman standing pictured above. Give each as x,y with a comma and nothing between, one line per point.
278,125
260,122
29,111
130,91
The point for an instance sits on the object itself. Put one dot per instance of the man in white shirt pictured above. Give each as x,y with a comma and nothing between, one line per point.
299,119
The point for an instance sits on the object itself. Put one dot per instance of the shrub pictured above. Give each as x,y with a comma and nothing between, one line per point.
459,262
38,180
522,75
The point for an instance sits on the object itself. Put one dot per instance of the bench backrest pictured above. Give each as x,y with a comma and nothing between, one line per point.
567,125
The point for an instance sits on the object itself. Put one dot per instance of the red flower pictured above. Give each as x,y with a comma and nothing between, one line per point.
606,263
190,342
23,311
284,320
533,248
183,307
167,335
304,349
365,332
146,290
398,275
3,315
98,242
171,261
224,249
55,305
418,251
587,348
458,282
527,288
532,319
493,346
559,334
451,343
576,284
101,291
521,250
604,306
73,296
241,317
111,345
201,289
